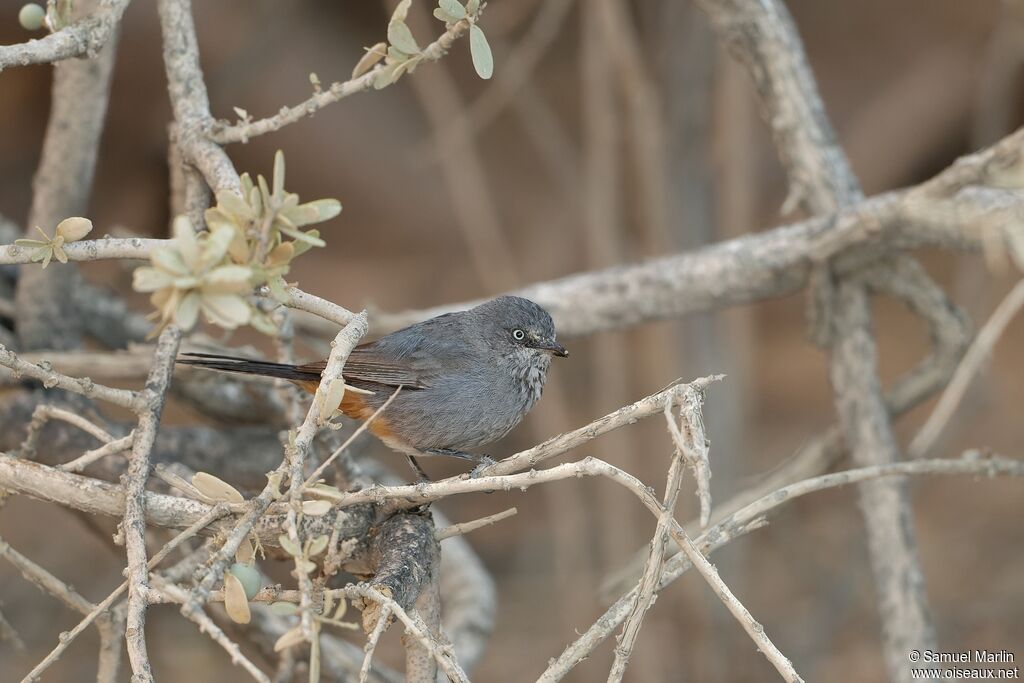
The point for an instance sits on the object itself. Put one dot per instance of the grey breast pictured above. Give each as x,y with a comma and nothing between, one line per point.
471,397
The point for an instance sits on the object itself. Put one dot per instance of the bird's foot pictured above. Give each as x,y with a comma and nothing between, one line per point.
482,461
485,462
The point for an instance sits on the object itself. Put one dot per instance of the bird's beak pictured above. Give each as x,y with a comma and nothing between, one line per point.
555,349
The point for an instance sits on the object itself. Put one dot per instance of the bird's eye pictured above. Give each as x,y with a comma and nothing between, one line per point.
518,335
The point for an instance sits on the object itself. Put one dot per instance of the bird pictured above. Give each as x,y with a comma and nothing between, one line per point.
467,378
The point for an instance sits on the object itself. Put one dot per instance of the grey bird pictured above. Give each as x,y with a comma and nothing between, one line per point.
467,378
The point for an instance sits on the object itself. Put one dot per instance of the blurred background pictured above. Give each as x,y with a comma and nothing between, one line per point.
606,136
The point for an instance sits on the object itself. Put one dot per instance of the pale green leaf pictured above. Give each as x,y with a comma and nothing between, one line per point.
316,508
401,11
75,228
386,76
279,290
216,489
216,245
278,193
226,310
185,242
302,247
289,546
368,60
452,8
441,15
311,237
187,311
480,50
400,36
249,577
231,278
290,638
284,609
331,398
169,260
147,279
318,545
472,7
236,604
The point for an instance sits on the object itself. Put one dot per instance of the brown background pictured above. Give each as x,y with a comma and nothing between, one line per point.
903,83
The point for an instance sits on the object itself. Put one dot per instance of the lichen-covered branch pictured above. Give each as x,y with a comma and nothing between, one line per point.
83,38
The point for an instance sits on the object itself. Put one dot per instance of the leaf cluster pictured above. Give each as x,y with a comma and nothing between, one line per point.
250,241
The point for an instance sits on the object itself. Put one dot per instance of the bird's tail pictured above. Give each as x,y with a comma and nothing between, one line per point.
248,366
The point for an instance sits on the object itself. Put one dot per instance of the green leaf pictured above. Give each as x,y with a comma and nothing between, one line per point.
226,310
289,546
232,204
187,311
279,290
147,279
278,175
326,208
441,15
483,61
472,7
169,261
247,185
74,228
305,237
284,609
370,59
263,323
401,11
400,36
452,8
31,243
318,545
302,247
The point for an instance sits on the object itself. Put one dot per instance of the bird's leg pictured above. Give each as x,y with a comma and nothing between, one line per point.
480,459
421,476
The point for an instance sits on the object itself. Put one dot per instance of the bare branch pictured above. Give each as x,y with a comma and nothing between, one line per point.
979,350
748,518
83,38
84,386
243,132
134,483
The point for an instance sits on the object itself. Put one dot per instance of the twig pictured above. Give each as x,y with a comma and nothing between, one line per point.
136,248
450,667
134,483
206,625
371,642
66,639
747,519
91,456
517,67
972,361
43,414
363,426
466,527
310,303
84,385
9,635
752,627
243,132
685,450
83,37
45,580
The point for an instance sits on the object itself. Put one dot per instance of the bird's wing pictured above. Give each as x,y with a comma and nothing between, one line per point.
412,357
